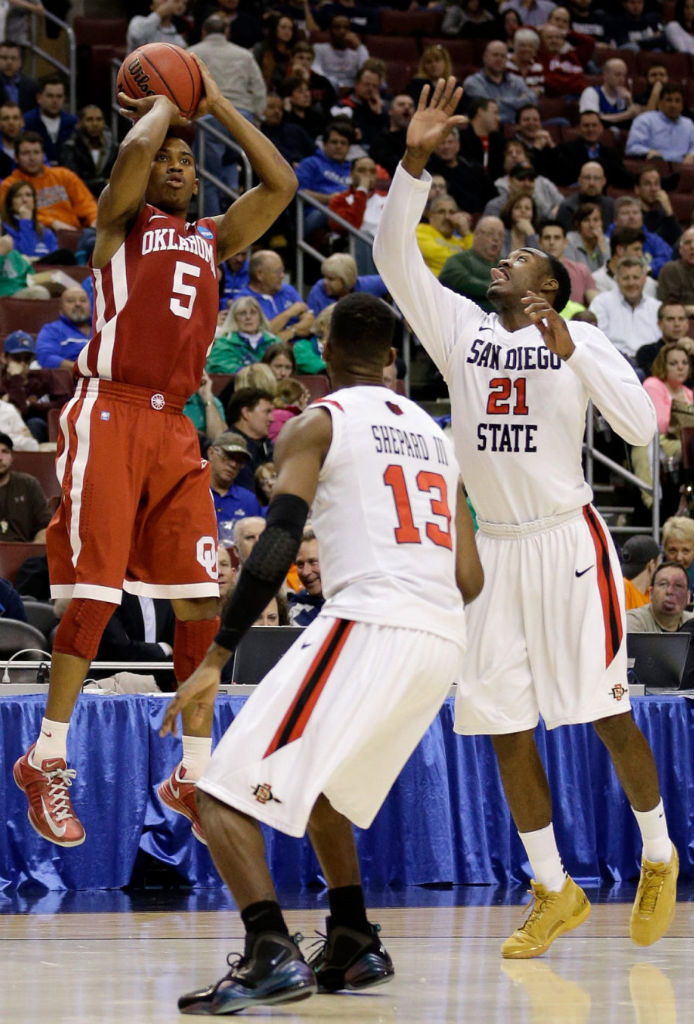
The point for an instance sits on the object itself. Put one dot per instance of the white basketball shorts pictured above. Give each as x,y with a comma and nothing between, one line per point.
339,714
546,636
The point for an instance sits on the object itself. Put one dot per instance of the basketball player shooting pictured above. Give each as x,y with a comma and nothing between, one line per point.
136,511
326,733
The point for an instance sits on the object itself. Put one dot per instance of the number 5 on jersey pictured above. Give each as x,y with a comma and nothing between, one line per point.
406,532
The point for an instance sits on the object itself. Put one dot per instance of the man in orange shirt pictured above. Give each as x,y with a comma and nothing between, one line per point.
639,558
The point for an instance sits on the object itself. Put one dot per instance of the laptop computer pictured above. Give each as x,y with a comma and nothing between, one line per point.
659,659
260,650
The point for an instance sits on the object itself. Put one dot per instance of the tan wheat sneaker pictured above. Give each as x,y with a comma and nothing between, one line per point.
654,906
551,914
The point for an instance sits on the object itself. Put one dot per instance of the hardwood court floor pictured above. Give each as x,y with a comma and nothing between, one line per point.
128,968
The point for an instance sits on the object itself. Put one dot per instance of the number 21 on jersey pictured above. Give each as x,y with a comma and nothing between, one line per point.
438,528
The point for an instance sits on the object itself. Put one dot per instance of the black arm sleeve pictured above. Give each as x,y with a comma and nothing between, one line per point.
266,568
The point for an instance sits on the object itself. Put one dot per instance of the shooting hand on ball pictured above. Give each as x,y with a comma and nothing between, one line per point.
135,109
211,94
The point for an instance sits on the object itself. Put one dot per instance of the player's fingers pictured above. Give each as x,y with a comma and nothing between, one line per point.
438,90
423,97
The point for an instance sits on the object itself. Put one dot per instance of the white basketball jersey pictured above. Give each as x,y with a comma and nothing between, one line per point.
384,515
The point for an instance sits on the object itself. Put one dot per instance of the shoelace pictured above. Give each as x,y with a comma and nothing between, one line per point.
58,783
539,904
653,883
238,960
317,949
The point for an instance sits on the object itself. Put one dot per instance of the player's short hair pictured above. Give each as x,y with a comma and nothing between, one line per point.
559,271
362,326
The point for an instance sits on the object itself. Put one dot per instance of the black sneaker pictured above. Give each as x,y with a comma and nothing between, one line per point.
348,959
271,970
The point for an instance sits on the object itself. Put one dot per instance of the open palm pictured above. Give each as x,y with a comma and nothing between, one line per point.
434,117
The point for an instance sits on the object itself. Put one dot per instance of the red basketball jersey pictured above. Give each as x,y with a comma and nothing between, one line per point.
155,306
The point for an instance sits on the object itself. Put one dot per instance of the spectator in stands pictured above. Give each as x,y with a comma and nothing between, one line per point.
665,612
468,19
11,129
656,207
235,276
523,60
623,242
523,179
15,87
627,316
588,21
553,240
24,511
481,141
612,100
365,105
49,118
583,44
639,557
245,536
327,172
288,315
90,151
323,94
265,479
570,157
32,392
676,279
446,232
341,57
678,544
225,571
249,413
536,140
206,412
587,243
673,325
564,75
229,456
656,77
291,399
292,140
20,221
244,337
519,217
628,214
680,31
298,108
274,53
635,30
591,188
160,26
434,63
339,278
307,602
466,181
533,12
281,360
140,629
468,272
663,132
361,206
60,342
16,272
496,83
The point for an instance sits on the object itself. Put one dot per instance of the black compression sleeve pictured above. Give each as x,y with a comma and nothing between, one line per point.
266,568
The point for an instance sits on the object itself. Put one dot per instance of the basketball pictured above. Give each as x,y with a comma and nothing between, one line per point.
162,69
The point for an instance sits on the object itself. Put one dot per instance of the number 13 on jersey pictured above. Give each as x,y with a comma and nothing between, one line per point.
438,527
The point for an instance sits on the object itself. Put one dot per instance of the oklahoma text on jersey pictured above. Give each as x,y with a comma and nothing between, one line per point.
158,239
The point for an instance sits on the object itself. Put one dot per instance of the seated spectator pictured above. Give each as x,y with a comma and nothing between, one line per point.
276,613
532,12
446,232
15,86
623,242
49,119
569,158
481,141
243,337
323,94
674,407
583,43
245,27
680,31
225,572
32,392
60,342
228,455
205,411
340,58
292,140
365,106
339,278
327,172
663,132
90,151
633,29
523,180
245,536
234,277
673,325
553,240
274,53
519,217
507,25
564,75
656,77
16,272
249,413
537,142
639,558
587,243
265,480
64,201
612,100
628,214
678,544
591,188
468,19
627,316
676,279
434,63
494,82
665,612
468,272
291,399
287,314
161,26
466,181
298,108
361,205
19,220
388,148
11,130
305,605
523,60
11,604
141,629
656,207
280,358
24,511
589,19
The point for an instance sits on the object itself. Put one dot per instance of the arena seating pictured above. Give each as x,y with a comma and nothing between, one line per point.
42,466
14,553
26,314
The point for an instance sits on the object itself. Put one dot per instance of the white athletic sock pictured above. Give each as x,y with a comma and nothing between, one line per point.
541,848
52,742
196,754
657,845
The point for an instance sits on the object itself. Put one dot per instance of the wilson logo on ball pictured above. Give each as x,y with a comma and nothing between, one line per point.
139,77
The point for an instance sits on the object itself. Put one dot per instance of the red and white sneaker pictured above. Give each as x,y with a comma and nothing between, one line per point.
179,795
50,809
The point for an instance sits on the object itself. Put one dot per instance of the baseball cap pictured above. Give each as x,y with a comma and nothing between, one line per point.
636,553
7,441
522,172
19,341
232,444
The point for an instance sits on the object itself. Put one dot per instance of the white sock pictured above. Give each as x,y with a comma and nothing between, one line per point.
541,848
657,845
52,742
196,754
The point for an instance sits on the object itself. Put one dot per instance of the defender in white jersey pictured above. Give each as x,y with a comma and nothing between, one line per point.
520,381
326,733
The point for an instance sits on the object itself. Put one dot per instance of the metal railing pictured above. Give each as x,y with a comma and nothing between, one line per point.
69,69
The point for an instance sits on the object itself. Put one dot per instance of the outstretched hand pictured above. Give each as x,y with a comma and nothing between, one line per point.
198,692
432,121
551,326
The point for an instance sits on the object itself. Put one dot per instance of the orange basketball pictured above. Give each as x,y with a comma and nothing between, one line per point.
162,69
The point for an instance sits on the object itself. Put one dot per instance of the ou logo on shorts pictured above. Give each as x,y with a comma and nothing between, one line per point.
206,553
